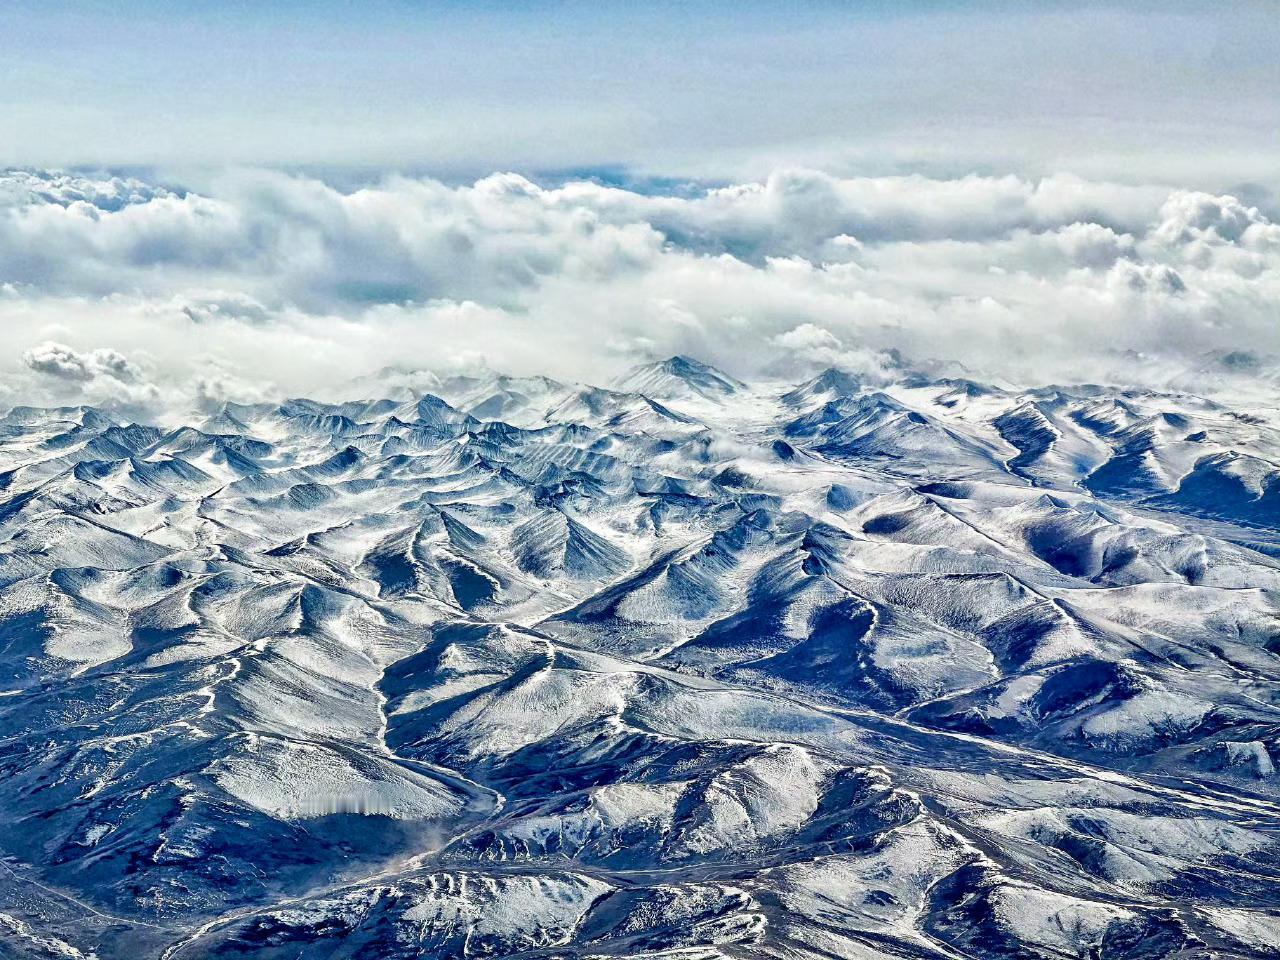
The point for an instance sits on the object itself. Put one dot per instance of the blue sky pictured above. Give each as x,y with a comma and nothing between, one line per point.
1129,91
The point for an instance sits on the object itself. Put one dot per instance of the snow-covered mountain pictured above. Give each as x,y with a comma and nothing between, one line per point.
679,667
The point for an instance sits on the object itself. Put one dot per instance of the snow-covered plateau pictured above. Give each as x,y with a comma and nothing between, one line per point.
680,667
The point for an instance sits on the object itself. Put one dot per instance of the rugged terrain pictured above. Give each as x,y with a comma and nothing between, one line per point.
681,667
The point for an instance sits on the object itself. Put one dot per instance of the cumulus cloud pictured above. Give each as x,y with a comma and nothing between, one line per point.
809,347
102,375
57,360
1189,216
265,283
60,361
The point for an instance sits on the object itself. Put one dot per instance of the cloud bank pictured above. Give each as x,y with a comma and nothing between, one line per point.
264,284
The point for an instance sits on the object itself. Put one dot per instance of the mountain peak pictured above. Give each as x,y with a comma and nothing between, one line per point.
830,384
679,376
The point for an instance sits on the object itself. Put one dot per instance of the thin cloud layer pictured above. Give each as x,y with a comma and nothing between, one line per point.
265,283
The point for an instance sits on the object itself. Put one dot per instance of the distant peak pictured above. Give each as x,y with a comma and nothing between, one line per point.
682,364
830,384
679,376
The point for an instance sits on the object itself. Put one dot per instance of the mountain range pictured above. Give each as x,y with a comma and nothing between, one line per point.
676,666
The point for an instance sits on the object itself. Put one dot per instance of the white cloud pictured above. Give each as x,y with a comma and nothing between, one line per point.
57,360
1189,216
60,361
267,283
102,375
